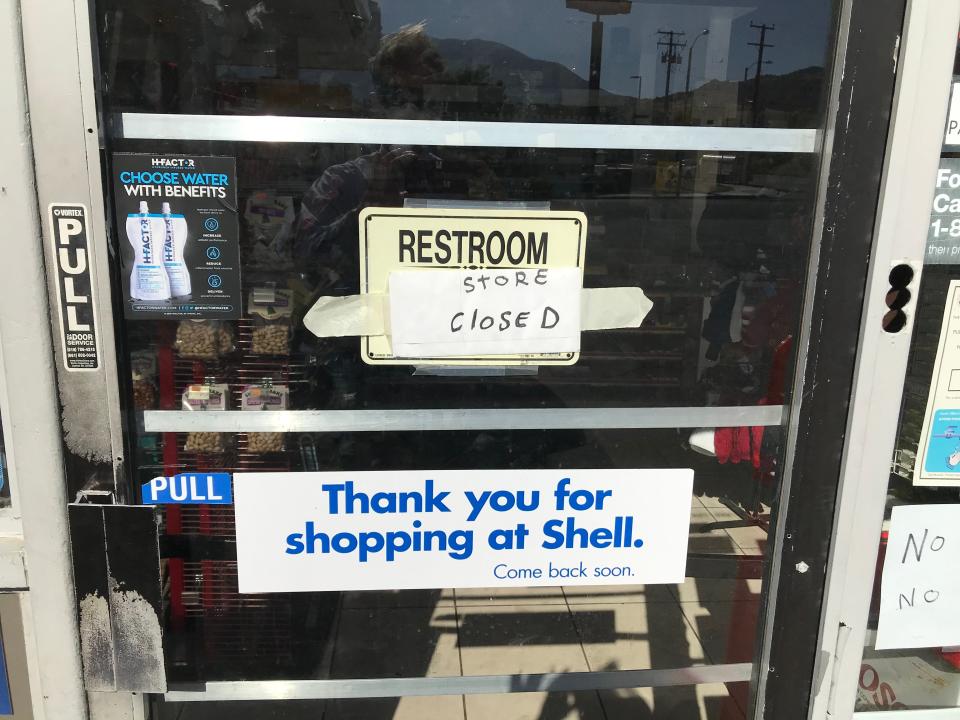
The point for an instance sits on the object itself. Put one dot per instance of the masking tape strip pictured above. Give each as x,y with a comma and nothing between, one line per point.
608,308
600,309
348,315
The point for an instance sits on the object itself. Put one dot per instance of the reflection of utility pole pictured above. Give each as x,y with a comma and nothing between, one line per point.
743,91
689,101
596,56
636,108
597,8
743,97
670,57
760,63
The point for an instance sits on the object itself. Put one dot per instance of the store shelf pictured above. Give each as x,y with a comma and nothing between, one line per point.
619,356
277,128
650,331
461,419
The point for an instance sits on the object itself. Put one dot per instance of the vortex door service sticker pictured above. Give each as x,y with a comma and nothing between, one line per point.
180,237
458,529
435,242
75,301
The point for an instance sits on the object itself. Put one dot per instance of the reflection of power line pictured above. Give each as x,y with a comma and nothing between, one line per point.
760,46
670,57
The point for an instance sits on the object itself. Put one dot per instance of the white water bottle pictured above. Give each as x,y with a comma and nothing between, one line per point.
174,240
148,280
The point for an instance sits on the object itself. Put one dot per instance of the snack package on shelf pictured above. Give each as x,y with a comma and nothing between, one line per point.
270,219
272,313
143,370
204,339
265,396
200,398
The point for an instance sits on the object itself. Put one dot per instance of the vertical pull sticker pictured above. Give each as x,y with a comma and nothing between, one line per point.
75,299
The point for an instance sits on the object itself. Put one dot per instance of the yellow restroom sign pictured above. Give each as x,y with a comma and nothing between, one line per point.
479,248
472,287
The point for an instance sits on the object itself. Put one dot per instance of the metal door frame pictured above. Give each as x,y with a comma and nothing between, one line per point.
916,137
60,58
34,555
861,101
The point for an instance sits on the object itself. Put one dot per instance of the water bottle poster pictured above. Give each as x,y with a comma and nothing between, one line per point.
179,235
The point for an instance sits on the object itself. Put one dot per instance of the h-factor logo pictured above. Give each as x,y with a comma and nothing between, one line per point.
172,162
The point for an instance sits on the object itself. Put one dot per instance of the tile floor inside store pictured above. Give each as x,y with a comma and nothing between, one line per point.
543,630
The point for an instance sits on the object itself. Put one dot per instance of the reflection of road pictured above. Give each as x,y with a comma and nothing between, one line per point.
529,631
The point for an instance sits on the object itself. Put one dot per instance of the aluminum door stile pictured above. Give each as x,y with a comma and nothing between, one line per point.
61,93
860,99
29,405
925,65
85,426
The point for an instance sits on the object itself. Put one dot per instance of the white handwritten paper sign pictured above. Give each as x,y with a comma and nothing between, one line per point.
406,529
457,313
920,589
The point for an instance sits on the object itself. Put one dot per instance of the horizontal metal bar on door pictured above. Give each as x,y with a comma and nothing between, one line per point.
910,714
471,685
461,419
280,128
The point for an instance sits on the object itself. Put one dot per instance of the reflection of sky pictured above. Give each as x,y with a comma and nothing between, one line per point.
547,30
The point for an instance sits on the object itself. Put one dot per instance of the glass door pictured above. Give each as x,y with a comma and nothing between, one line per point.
282,179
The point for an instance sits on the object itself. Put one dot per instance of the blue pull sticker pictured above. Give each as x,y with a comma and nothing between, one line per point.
188,489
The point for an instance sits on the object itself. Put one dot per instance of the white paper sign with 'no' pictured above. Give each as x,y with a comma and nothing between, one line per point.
451,313
460,528
920,589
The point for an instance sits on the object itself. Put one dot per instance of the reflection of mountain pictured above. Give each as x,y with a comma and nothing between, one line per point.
790,92
510,67
785,100
788,100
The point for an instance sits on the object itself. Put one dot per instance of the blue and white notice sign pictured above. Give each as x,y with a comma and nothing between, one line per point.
938,453
188,489
460,528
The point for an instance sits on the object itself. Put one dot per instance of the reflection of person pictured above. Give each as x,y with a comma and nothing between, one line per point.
326,229
325,238
405,62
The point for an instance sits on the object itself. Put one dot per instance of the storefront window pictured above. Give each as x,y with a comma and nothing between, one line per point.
514,100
